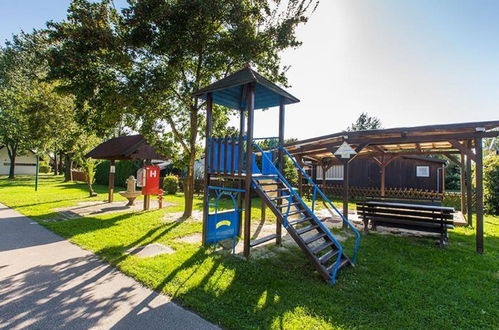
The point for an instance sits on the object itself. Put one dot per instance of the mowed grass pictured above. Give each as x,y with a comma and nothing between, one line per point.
399,282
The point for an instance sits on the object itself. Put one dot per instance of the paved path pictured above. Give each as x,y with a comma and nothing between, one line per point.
48,283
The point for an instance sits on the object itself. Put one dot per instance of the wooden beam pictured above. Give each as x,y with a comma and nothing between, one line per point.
247,181
479,195
469,205
463,184
112,171
463,149
280,160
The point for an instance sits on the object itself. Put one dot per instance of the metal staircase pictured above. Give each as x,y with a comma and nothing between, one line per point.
312,236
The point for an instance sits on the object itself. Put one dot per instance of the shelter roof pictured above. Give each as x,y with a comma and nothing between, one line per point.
125,148
403,141
231,91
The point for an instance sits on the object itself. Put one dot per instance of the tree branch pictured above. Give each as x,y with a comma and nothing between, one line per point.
178,136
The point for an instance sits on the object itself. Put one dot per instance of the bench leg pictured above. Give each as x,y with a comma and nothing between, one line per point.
366,226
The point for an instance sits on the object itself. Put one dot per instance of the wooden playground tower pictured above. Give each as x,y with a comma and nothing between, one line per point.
235,158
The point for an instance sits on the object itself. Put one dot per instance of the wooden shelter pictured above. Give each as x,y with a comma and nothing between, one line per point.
133,147
461,143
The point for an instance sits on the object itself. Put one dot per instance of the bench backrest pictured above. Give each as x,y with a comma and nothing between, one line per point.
404,211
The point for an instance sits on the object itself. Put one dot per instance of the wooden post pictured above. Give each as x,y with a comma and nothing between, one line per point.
443,179
324,170
300,176
240,165
345,191
112,170
479,195
247,179
207,155
462,167
469,196
382,180
280,160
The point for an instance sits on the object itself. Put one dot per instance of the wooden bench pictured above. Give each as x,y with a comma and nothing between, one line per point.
421,217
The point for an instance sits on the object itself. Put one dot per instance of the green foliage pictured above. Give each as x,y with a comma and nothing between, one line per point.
365,122
123,169
452,176
170,184
142,65
290,172
44,167
491,183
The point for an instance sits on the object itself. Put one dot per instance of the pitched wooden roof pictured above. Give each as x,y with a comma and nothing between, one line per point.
418,140
125,148
230,91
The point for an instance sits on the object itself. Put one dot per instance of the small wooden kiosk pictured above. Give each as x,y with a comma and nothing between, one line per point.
133,147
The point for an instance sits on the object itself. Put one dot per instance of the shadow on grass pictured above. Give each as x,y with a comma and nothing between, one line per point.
399,282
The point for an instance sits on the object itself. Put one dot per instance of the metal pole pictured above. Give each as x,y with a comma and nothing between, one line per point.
36,174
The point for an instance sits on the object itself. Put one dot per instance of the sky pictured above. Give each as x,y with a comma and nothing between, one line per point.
411,62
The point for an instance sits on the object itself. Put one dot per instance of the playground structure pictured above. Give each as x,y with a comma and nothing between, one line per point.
260,172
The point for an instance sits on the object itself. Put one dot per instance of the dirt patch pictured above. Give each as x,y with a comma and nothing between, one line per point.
150,250
192,239
197,216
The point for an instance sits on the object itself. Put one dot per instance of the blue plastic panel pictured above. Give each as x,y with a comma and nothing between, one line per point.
222,225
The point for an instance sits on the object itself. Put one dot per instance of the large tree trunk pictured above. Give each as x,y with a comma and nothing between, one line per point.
189,187
60,166
12,167
12,152
68,164
56,170
189,179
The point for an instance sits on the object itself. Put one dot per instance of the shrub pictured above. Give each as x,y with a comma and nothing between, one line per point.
43,167
123,170
170,184
491,183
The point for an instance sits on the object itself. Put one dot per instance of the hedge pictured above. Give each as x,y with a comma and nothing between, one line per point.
124,169
491,183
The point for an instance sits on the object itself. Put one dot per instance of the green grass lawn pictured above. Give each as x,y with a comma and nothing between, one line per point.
399,282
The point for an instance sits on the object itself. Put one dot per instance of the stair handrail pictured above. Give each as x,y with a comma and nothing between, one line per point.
316,188
323,227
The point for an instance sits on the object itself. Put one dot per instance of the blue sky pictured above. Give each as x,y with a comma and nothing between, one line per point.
410,62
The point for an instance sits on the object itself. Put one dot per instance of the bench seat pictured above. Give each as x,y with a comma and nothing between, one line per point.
411,216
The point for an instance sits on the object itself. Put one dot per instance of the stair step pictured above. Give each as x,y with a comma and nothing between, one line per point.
321,247
268,183
328,256
298,221
307,229
286,205
276,190
262,240
343,262
314,238
279,197
297,212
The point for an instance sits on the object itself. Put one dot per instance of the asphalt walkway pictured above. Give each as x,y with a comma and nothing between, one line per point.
48,283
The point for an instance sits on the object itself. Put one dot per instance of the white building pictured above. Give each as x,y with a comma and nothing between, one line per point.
25,163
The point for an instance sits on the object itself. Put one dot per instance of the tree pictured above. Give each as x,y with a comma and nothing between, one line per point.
83,146
365,122
143,65
32,114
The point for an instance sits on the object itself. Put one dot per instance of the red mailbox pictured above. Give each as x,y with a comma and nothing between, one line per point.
150,180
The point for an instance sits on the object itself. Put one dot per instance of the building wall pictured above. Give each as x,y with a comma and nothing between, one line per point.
401,173
25,164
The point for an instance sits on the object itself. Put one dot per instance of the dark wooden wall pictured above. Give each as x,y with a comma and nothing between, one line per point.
401,173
